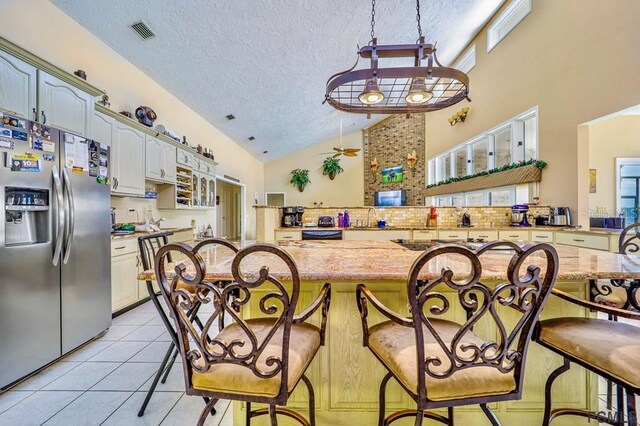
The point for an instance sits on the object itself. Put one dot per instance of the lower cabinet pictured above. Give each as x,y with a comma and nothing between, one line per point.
597,242
288,235
124,280
389,234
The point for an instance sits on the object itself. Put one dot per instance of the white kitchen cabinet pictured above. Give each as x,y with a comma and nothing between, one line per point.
185,158
160,161
64,106
542,236
102,128
383,234
453,235
18,82
124,278
484,235
127,160
288,235
596,242
425,235
514,235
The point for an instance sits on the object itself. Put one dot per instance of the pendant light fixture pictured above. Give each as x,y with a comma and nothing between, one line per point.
426,86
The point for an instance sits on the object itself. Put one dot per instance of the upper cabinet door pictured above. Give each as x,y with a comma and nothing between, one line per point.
168,161
63,106
153,163
127,158
102,128
17,86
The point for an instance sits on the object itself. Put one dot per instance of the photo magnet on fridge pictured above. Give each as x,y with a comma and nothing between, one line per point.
48,146
6,144
93,172
36,143
9,120
40,130
17,134
48,157
5,133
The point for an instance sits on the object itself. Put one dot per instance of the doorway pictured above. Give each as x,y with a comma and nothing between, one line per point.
229,209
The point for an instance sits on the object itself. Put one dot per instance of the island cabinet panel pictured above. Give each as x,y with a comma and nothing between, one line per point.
596,242
346,376
388,234
425,235
453,235
542,236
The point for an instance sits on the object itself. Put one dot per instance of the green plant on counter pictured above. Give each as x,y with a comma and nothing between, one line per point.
300,178
331,167
538,163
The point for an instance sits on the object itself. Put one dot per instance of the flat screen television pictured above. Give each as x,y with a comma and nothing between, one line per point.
391,198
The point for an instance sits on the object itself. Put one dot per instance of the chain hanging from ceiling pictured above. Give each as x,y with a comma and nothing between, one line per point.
397,90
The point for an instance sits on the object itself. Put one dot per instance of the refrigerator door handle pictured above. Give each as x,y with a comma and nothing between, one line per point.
57,186
71,212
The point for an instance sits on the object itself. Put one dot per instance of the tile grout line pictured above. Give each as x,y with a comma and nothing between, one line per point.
171,409
70,402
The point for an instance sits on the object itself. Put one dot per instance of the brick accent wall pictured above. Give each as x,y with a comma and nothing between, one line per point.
390,141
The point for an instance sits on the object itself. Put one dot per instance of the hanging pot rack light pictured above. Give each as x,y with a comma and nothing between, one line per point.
426,86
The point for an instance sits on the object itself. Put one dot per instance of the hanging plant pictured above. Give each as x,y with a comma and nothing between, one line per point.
538,163
331,167
300,178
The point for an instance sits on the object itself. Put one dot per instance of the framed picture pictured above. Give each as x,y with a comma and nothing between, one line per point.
392,175
592,181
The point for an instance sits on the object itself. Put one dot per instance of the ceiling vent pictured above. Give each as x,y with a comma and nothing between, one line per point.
143,30
230,117
251,138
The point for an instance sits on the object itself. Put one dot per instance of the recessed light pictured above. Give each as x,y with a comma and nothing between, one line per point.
264,152
251,138
230,117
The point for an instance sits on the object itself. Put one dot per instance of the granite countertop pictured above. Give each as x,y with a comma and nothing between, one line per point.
385,260
140,234
605,232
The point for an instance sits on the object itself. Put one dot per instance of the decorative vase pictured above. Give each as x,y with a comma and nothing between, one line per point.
300,188
332,176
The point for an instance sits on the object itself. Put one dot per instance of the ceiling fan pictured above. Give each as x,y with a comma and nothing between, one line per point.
347,152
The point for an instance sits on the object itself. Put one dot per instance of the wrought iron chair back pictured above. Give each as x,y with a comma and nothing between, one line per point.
203,351
525,291
149,246
629,241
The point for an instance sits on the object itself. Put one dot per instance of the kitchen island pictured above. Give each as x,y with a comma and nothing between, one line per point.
346,376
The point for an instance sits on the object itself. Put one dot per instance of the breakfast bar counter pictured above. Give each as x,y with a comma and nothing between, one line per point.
346,376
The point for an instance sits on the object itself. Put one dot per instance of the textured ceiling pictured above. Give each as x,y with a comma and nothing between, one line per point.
267,61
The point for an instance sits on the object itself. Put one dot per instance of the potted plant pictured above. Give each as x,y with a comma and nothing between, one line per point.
331,167
300,178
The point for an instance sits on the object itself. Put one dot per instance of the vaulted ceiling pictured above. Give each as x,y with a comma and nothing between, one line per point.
267,61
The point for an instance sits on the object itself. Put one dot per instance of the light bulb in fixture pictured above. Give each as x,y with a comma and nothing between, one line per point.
372,94
418,93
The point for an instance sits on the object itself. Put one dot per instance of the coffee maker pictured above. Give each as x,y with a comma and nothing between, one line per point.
560,216
292,216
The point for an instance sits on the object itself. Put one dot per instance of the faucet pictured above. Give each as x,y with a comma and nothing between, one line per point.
157,222
369,216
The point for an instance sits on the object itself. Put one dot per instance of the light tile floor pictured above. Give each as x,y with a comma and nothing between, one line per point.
105,382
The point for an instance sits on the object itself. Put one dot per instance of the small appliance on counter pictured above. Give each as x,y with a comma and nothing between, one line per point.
326,222
465,220
560,216
292,216
519,213
542,220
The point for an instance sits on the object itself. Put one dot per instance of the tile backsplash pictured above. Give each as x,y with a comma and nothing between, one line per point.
416,217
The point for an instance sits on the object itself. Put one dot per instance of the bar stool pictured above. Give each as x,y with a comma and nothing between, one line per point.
440,363
609,349
149,246
259,360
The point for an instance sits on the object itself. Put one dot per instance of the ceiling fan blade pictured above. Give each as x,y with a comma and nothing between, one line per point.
350,154
325,153
337,155
337,149
351,150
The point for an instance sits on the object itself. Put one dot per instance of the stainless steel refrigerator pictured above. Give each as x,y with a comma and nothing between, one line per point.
55,266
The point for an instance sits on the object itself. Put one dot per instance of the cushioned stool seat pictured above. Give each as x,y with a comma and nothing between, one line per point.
612,347
395,345
235,379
